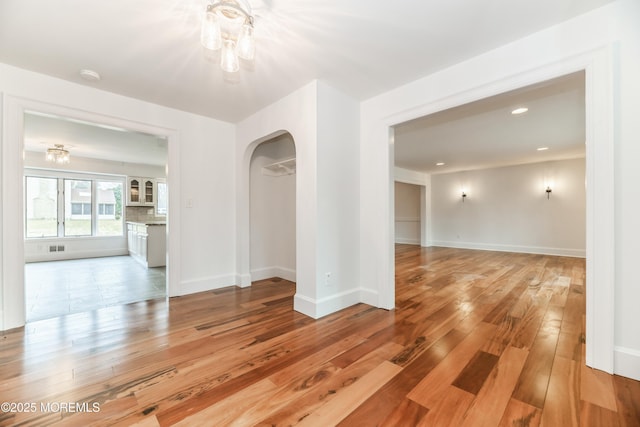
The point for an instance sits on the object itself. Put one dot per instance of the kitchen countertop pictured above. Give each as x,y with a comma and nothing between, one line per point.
148,222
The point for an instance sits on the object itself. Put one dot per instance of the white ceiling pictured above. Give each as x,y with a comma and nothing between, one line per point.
149,49
91,140
485,134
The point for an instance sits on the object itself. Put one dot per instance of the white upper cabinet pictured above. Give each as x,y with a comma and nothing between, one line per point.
141,191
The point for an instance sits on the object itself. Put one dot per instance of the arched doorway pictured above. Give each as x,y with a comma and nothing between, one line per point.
272,206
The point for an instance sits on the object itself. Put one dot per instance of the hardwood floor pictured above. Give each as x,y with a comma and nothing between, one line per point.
477,339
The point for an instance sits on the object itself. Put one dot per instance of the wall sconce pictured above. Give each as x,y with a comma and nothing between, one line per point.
548,190
464,195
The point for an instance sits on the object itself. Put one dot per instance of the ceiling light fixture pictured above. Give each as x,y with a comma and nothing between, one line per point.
89,75
57,154
440,164
228,25
520,110
542,148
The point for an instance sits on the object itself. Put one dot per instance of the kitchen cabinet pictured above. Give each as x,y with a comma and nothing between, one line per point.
147,243
141,191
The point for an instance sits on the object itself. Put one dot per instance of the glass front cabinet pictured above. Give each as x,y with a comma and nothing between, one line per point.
141,191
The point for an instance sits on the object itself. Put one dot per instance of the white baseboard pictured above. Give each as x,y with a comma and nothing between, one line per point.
369,296
627,362
317,308
243,280
68,255
575,253
406,241
274,271
207,284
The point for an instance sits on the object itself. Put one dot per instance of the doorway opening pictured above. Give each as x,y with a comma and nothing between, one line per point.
272,205
488,170
88,242
408,213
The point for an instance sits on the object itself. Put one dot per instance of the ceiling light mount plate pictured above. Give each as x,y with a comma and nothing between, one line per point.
232,10
89,75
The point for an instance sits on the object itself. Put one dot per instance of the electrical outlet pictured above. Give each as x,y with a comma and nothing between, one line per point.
327,278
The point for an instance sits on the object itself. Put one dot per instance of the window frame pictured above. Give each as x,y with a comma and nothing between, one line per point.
61,176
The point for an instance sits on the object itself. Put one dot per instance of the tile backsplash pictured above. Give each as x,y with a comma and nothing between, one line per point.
143,214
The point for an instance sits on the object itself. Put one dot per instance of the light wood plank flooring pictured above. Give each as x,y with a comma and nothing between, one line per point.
477,339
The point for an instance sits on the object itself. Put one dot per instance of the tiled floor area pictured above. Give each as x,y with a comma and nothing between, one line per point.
57,288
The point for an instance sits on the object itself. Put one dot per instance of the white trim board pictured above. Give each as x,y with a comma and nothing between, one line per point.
627,363
275,271
598,67
404,241
82,254
204,284
12,312
317,308
575,253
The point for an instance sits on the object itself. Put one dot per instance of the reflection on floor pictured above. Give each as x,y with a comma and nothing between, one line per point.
57,288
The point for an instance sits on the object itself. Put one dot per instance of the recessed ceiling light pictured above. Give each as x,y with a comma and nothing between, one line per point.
520,110
90,75
440,164
542,148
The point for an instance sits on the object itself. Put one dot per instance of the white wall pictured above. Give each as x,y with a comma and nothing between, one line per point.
338,275
507,209
407,213
273,213
295,114
324,126
604,42
627,176
201,238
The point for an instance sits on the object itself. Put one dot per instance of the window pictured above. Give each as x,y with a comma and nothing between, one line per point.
86,207
161,208
109,195
107,209
80,208
41,210
77,212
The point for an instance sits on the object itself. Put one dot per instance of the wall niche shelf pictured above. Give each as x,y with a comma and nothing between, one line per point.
281,168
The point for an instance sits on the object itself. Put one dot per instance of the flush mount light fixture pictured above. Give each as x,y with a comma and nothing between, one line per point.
89,75
227,25
520,110
542,148
57,154
440,164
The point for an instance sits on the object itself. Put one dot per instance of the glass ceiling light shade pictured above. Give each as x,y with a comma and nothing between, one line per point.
228,24
57,154
210,34
246,44
229,59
